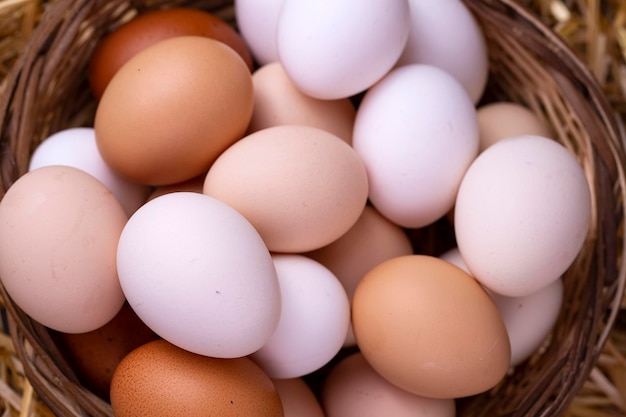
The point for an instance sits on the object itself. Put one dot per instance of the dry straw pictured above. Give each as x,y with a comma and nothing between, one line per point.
578,90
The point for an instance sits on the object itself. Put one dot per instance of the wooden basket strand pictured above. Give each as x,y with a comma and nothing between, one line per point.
47,91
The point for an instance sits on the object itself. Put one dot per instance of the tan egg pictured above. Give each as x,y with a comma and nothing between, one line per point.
194,185
429,328
354,389
172,108
297,398
59,229
299,186
501,120
277,101
372,240
160,379
95,355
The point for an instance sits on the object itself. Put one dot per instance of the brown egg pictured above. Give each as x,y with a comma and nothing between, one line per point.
372,240
172,109
500,120
429,328
277,101
151,27
95,355
160,379
297,398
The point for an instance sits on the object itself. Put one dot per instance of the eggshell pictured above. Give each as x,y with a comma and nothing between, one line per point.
299,186
277,101
160,379
199,275
429,328
297,398
257,21
335,50
95,355
445,34
77,147
193,185
417,133
59,228
501,120
315,314
172,109
354,389
372,240
148,28
528,319
522,214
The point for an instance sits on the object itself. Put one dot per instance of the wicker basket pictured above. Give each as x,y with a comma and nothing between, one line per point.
47,91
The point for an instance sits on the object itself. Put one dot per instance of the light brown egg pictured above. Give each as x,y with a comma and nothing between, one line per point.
59,229
160,379
354,389
151,27
193,185
372,240
500,120
95,355
172,109
277,101
429,328
297,398
299,186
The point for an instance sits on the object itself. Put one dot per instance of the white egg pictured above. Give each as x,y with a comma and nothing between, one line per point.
335,49
313,323
257,21
76,147
522,214
417,133
444,33
199,275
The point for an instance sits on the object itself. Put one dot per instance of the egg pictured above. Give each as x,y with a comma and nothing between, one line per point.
445,34
522,214
59,228
372,240
160,379
417,133
257,21
77,147
299,186
94,355
277,101
334,50
500,120
429,328
148,28
315,314
297,398
199,275
193,185
172,109
353,388
528,319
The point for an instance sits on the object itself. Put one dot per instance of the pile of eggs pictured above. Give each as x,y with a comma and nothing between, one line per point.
237,219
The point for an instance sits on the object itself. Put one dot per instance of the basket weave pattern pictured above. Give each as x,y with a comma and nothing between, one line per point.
47,91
